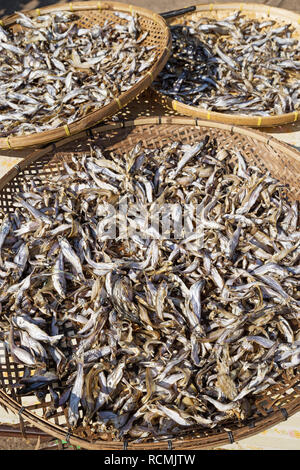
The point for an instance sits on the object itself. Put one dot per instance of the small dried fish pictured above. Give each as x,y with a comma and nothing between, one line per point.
171,323
54,72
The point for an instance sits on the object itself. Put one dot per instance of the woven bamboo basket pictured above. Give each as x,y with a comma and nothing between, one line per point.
91,13
274,404
219,12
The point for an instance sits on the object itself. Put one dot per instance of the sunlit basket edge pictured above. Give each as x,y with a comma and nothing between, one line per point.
200,439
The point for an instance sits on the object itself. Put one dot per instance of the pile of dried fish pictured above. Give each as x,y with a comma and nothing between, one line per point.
150,334
54,71
237,65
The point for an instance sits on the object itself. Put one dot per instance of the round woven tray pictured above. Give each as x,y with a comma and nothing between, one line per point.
91,13
219,12
274,404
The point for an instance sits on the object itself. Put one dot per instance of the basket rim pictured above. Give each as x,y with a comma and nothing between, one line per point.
193,442
94,117
238,119
256,134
